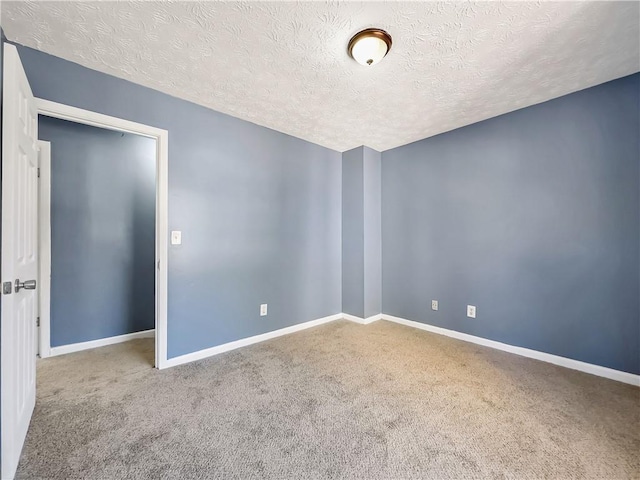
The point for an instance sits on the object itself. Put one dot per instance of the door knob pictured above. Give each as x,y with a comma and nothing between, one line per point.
27,285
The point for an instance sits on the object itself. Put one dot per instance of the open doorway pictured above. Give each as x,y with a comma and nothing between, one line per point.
97,217
102,231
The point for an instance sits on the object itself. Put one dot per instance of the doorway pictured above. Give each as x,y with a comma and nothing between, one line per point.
97,196
52,114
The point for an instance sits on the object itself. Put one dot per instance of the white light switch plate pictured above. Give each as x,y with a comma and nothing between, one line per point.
263,310
176,237
471,311
434,304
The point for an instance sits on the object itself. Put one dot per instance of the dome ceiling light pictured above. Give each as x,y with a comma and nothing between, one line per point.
369,46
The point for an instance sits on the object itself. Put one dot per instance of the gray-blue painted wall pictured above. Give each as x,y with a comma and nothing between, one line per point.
353,233
102,231
372,193
533,217
361,239
259,211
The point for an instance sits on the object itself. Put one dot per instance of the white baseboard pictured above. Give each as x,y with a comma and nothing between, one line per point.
243,342
360,320
102,342
605,372
598,370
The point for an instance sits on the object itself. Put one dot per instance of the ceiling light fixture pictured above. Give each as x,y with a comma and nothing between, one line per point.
369,46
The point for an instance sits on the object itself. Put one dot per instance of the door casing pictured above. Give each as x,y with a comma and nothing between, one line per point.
44,247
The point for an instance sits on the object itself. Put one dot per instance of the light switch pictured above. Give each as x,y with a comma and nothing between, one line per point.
176,237
263,310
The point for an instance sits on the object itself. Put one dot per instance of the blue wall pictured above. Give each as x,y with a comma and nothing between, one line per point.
102,231
533,217
372,193
361,239
260,211
353,233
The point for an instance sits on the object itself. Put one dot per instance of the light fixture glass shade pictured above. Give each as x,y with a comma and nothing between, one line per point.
369,46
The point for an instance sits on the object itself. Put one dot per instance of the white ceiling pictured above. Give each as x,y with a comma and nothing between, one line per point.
285,65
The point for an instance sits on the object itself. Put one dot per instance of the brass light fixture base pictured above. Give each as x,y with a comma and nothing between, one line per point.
370,32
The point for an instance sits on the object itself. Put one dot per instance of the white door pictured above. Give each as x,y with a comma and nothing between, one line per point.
19,259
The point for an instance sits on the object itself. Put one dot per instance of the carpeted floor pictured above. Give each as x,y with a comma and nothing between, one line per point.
338,401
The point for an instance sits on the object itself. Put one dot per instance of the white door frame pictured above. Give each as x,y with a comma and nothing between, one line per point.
44,248
86,117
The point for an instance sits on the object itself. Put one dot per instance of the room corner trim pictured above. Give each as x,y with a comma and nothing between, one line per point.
244,342
102,342
598,370
360,320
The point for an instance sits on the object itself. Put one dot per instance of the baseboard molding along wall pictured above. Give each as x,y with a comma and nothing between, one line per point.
243,342
605,372
102,342
598,370
362,321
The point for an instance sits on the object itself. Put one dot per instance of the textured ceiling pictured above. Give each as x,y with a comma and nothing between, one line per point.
285,65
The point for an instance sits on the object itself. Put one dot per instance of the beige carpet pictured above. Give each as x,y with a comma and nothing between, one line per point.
338,401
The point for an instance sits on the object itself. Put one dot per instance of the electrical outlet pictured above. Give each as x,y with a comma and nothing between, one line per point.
471,311
434,304
263,310
176,237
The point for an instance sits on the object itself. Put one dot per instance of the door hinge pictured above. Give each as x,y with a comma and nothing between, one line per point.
38,322
38,172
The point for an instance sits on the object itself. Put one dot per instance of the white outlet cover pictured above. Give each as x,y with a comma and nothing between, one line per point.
176,237
434,304
471,311
263,310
